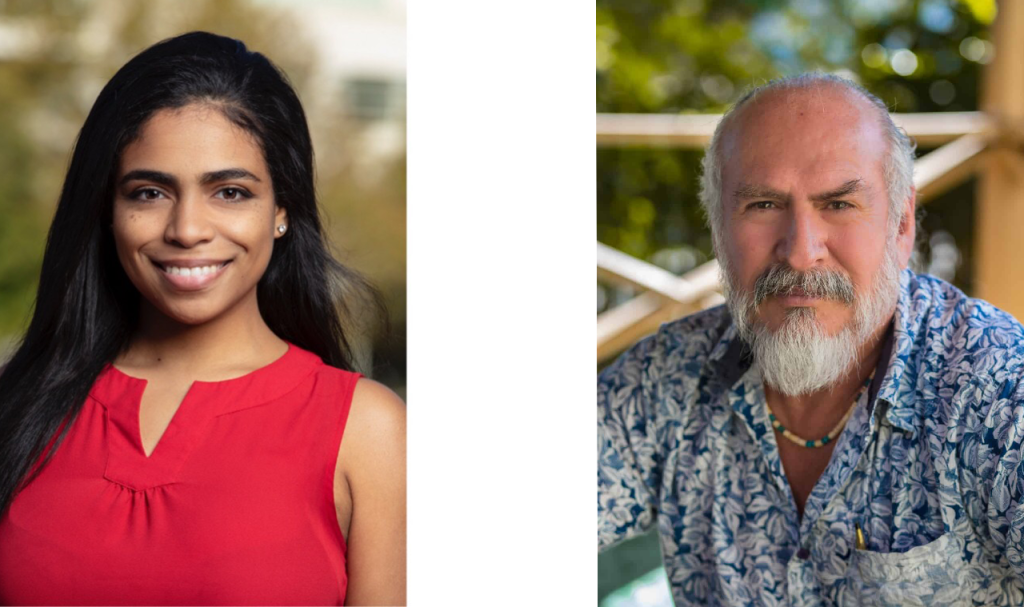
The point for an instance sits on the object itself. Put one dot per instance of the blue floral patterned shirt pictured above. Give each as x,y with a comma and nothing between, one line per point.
929,465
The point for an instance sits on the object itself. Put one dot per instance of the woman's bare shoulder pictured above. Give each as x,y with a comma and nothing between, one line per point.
376,403
375,430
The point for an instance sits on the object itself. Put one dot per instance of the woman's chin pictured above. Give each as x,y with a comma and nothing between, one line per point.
189,315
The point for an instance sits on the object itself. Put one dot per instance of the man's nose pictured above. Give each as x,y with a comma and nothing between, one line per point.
189,223
802,245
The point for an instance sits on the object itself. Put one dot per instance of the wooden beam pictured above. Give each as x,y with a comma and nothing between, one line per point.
999,207
937,128
694,130
619,268
656,130
625,324
948,166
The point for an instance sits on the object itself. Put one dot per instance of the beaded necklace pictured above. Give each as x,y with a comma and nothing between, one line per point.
831,436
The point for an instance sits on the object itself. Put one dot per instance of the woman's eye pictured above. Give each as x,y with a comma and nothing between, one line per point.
146,194
234,194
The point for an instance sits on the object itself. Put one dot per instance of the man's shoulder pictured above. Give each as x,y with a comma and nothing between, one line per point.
710,321
687,341
695,336
946,311
965,334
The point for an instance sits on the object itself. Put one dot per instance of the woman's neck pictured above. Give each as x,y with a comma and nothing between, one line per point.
233,343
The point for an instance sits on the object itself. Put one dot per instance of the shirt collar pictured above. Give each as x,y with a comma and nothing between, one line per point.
731,358
897,385
117,390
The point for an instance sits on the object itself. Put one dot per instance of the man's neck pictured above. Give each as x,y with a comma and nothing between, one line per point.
814,415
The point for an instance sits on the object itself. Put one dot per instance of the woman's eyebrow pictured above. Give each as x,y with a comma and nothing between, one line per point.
171,181
149,175
225,174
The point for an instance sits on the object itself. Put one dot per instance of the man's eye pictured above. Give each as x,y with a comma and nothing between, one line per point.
234,194
838,205
762,205
145,194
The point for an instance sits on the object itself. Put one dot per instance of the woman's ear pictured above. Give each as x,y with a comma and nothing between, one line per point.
280,222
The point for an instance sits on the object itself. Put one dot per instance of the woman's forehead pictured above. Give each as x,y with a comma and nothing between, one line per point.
195,138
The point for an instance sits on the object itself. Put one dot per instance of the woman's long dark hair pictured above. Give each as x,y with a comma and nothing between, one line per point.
86,308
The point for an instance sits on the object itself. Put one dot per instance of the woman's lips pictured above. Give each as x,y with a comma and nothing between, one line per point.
192,282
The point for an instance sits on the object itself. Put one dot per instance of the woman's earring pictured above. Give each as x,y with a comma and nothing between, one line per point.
281,229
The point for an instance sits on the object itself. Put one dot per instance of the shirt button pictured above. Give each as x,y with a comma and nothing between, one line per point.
803,554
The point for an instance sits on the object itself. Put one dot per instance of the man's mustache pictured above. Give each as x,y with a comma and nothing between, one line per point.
781,279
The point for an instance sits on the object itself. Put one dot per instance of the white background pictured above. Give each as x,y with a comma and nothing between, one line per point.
501,303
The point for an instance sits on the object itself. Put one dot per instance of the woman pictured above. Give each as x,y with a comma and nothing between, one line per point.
171,426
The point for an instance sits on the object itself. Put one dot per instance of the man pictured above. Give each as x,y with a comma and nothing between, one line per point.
843,431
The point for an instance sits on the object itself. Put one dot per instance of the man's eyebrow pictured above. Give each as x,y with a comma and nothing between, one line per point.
172,181
746,190
850,187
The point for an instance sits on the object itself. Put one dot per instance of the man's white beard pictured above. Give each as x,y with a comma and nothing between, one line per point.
800,358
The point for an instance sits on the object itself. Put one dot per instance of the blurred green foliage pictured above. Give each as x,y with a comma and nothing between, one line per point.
698,56
56,55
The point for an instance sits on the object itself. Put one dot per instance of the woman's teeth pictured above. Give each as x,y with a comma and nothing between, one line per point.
201,271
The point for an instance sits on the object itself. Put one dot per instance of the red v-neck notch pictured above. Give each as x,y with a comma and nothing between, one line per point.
121,395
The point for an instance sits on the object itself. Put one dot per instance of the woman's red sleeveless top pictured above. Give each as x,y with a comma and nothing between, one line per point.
234,506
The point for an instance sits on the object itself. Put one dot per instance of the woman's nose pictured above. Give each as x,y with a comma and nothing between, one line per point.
188,224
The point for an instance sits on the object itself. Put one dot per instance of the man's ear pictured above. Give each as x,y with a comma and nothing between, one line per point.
906,234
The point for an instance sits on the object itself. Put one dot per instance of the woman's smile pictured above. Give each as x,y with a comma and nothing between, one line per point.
191,275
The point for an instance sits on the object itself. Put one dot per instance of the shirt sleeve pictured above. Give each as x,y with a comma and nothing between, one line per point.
627,469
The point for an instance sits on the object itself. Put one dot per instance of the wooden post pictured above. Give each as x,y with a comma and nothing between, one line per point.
999,213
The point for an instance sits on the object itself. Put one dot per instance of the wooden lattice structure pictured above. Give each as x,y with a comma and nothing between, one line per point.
988,144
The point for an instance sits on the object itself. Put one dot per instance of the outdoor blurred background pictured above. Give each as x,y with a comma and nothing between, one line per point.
345,58
697,57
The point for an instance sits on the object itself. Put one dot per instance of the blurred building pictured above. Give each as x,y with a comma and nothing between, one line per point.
361,63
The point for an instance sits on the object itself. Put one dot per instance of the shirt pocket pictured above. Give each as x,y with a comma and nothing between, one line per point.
924,575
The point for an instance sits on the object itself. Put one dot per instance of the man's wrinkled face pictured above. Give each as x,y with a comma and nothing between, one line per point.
810,263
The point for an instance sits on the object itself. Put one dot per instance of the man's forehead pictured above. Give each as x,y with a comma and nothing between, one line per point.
824,109
814,130
823,100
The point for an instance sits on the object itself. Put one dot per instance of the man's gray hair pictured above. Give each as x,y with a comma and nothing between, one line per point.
898,163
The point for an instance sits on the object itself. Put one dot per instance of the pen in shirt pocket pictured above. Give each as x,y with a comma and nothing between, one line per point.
860,543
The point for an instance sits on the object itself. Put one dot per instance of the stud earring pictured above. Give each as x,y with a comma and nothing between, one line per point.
281,229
